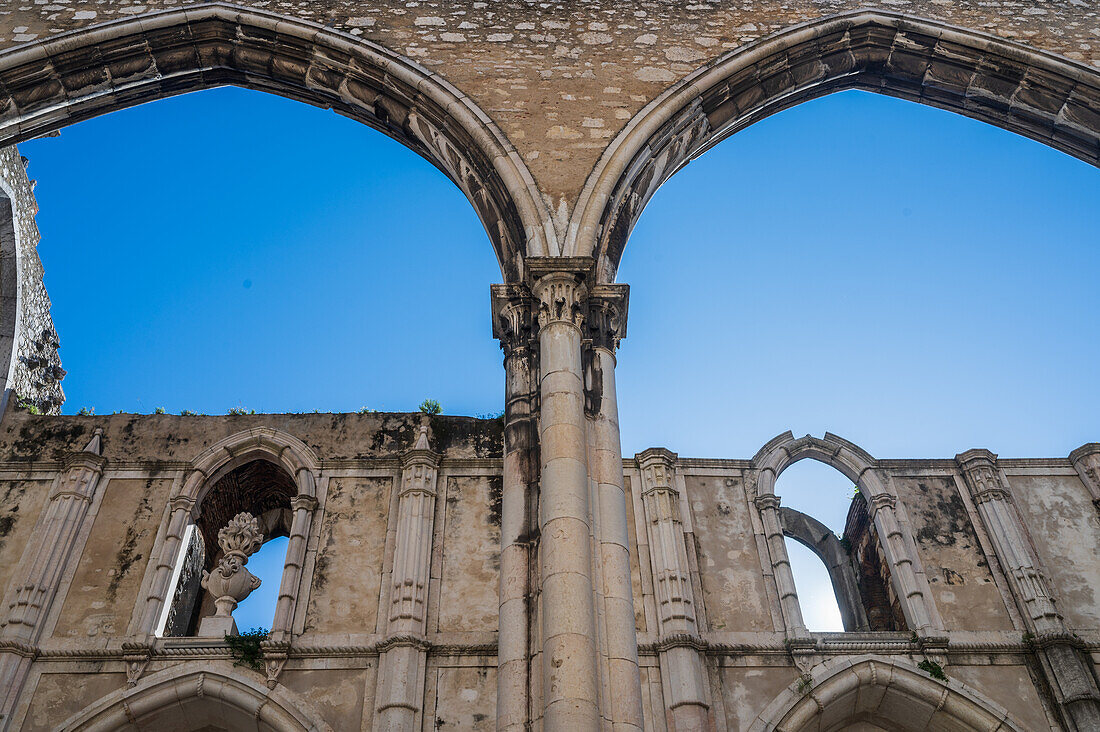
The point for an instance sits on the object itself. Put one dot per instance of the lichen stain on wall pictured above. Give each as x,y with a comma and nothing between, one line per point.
103,593
471,558
21,502
1065,529
348,572
729,565
957,569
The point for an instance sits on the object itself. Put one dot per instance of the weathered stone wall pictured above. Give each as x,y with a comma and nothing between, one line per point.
29,363
747,650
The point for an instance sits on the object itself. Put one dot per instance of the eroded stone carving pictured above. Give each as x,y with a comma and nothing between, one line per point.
230,582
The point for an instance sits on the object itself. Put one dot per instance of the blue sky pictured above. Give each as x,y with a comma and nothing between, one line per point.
909,279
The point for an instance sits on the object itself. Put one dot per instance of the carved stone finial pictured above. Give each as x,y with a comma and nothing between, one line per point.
230,582
95,445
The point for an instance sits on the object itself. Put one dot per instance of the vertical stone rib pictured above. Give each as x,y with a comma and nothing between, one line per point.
181,506
513,326
570,696
1067,672
682,663
42,565
303,506
403,663
883,507
768,505
607,324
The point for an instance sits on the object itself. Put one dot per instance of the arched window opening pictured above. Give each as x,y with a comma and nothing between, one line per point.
265,491
842,577
316,238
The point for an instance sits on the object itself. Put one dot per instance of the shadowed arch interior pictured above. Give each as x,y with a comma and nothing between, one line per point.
45,86
1020,89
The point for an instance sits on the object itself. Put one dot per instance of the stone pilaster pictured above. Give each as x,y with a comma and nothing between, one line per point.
402,664
768,506
1086,461
1067,672
182,513
303,506
518,654
682,665
42,565
605,326
568,615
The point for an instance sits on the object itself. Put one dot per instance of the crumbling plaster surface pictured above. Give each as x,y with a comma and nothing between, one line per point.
957,568
562,78
1065,529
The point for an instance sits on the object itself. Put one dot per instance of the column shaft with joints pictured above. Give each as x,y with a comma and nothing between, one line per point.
403,662
883,508
302,506
517,647
1059,652
606,325
41,567
568,619
768,506
683,670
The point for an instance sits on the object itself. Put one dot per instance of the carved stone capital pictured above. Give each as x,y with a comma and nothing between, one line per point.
514,322
766,501
304,502
606,321
658,467
881,501
982,475
1086,461
559,286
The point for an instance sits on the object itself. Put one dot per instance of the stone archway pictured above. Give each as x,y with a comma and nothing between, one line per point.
1021,89
197,697
880,693
82,74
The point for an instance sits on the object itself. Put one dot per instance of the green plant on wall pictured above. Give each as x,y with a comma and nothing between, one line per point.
430,406
245,648
933,669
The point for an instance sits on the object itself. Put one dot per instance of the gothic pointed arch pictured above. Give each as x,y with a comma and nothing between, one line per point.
263,471
878,690
902,599
1019,88
81,74
194,695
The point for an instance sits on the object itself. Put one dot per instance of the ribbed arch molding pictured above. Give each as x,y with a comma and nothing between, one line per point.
82,74
1021,89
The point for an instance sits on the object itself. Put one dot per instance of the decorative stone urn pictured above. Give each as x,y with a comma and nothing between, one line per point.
230,582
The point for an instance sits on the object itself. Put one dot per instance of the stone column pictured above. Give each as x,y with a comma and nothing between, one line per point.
182,508
43,563
883,508
682,666
1059,652
514,326
569,669
402,664
606,325
1086,461
768,505
303,506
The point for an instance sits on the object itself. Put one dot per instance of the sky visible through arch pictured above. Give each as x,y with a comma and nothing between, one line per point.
911,280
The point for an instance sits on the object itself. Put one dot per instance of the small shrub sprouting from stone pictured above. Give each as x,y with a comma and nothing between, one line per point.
238,411
805,684
430,406
245,648
491,415
933,669
368,410
188,413
86,412
30,408
159,410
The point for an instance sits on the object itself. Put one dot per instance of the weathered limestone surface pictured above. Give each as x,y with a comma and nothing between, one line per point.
30,368
714,649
